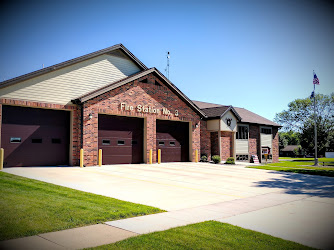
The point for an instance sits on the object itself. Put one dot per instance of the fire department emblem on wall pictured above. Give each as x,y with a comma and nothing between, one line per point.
228,121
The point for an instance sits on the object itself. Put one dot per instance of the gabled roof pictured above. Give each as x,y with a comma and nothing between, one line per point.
219,112
213,110
73,61
114,85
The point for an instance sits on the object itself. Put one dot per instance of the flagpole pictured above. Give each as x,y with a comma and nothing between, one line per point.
315,130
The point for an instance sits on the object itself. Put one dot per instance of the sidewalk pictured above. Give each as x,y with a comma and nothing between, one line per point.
230,211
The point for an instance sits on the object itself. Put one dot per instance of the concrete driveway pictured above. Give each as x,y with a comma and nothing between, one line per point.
290,206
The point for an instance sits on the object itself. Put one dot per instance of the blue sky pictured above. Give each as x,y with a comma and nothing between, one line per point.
257,55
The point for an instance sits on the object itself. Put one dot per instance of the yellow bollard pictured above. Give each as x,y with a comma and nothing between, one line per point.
2,153
151,156
100,157
81,157
196,155
159,156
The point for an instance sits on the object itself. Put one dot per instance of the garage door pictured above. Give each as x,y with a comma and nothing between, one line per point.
121,139
173,140
35,137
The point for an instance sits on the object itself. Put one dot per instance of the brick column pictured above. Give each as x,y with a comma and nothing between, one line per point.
205,140
254,141
90,135
275,145
151,138
227,146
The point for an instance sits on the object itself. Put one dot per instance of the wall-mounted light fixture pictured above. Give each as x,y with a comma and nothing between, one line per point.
196,125
90,116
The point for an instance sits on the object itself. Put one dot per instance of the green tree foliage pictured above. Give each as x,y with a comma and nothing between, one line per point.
300,112
289,138
325,137
298,122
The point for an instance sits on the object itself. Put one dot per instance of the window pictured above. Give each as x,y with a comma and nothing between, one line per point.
15,139
120,142
266,131
55,141
161,143
36,140
105,142
172,143
242,132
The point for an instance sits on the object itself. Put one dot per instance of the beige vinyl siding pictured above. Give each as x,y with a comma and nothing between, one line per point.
63,85
213,125
241,146
266,139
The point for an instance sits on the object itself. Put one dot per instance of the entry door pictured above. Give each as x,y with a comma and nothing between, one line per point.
121,139
35,137
173,140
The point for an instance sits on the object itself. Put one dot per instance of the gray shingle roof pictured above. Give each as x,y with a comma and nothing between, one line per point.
215,110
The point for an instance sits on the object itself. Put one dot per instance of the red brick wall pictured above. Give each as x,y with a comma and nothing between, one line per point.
226,145
275,145
133,94
75,118
254,141
205,140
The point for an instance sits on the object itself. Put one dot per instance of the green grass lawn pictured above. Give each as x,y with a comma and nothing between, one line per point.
307,159
205,235
29,207
302,165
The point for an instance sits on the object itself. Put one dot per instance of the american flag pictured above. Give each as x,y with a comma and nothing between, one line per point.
315,79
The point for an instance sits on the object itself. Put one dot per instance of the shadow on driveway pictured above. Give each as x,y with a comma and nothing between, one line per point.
292,183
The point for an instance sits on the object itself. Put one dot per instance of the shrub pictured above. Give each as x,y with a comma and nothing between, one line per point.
204,158
216,159
230,160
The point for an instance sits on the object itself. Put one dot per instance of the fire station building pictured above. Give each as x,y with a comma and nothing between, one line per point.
110,100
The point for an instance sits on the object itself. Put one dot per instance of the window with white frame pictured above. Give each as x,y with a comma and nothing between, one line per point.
242,132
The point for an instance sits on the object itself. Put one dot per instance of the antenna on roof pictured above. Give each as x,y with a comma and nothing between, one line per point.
167,69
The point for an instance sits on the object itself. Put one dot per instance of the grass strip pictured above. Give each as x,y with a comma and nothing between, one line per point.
30,207
300,167
205,235
320,160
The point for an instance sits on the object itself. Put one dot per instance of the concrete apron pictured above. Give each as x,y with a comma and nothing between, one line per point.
295,207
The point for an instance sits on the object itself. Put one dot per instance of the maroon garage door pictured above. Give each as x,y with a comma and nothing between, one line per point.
121,139
35,137
173,140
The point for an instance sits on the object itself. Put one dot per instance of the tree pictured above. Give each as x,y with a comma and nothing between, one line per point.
299,119
300,112
324,137
289,138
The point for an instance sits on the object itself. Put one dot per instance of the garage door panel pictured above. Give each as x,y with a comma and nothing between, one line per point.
34,137
173,140
121,139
